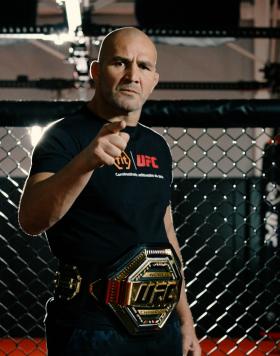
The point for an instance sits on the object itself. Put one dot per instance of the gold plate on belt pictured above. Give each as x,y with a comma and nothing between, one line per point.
143,289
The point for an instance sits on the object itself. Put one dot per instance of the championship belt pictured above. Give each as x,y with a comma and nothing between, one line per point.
142,288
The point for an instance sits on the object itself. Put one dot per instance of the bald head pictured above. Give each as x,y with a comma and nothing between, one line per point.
125,73
121,35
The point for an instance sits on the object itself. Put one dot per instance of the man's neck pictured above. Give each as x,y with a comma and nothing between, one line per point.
131,119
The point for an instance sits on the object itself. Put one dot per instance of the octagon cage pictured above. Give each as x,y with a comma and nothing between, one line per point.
225,202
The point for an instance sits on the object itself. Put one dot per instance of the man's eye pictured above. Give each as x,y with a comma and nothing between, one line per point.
143,66
119,63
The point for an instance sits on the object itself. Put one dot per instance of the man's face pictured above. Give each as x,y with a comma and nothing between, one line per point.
127,73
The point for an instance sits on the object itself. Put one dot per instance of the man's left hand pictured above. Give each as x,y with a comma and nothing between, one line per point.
190,342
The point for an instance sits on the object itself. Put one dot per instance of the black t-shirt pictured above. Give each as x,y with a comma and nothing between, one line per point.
122,205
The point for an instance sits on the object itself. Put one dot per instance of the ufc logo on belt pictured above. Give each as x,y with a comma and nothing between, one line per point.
154,293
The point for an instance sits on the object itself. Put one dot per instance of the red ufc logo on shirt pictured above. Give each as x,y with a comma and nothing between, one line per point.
146,161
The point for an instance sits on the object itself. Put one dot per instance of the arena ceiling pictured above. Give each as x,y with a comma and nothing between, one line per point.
232,59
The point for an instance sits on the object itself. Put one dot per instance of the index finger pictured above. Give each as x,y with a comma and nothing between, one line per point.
116,127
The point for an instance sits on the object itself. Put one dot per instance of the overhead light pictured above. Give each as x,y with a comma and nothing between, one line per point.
73,14
61,38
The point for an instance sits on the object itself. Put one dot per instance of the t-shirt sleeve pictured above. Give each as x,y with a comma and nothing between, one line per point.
55,149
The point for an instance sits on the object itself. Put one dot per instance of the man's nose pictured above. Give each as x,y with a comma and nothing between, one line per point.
132,73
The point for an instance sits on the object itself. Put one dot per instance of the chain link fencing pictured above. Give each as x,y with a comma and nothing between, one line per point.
225,201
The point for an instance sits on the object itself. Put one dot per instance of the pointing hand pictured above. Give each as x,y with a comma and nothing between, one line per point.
109,143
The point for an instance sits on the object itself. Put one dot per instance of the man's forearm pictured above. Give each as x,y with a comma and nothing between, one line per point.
189,338
183,309
47,197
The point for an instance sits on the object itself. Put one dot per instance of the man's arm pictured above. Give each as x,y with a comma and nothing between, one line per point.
47,196
190,341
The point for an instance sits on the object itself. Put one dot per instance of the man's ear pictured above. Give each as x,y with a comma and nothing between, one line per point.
156,79
94,70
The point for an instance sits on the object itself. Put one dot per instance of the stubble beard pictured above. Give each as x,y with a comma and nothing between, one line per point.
125,104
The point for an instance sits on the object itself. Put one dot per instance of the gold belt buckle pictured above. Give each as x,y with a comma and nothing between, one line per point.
144,289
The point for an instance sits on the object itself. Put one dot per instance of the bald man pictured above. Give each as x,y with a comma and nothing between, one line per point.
99,186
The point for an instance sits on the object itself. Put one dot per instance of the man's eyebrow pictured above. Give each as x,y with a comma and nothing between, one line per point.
120,58
127,60
147,63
